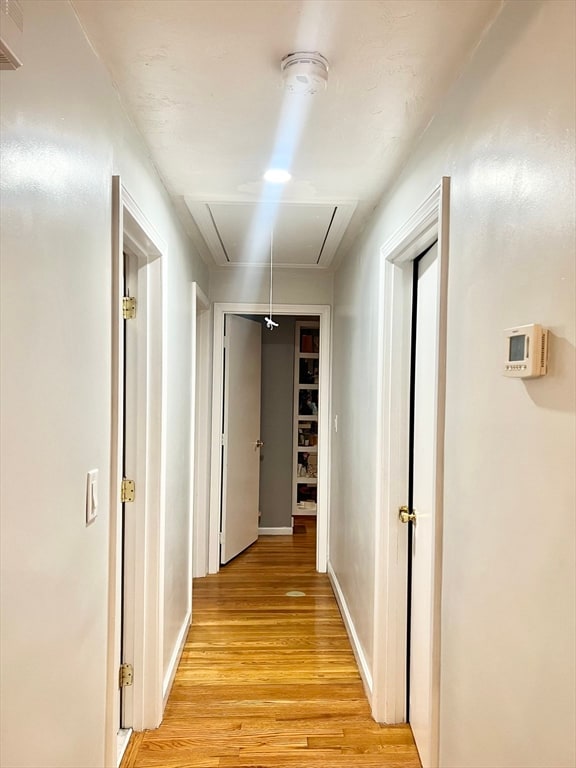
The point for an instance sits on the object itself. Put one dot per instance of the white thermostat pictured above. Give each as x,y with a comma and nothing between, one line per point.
526,352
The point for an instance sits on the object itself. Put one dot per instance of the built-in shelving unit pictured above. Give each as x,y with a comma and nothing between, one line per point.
306,405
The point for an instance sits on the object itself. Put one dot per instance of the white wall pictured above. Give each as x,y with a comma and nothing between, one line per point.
291,286
354,395
64,134
506,137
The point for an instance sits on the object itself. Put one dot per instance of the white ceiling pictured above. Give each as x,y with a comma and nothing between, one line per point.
201,79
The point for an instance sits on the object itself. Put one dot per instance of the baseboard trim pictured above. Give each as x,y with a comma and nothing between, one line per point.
357,649
175,660
123,739
275,531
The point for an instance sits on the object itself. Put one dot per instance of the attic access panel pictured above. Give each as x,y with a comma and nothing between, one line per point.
305,234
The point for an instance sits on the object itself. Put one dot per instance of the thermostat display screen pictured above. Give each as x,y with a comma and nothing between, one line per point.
517,345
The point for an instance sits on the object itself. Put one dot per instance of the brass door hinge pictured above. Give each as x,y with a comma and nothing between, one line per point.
128,307
126,675
128,490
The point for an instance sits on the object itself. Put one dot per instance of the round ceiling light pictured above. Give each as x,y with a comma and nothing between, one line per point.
277,176
304,73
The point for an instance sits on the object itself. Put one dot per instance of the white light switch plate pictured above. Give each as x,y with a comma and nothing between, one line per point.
91,496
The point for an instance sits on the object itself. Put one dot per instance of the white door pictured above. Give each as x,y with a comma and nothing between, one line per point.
422,677
241,443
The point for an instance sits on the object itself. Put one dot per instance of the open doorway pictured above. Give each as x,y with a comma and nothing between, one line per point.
413,343
289,407
281,513
134,674
276,426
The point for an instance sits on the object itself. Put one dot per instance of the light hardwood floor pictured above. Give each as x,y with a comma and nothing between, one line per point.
267,680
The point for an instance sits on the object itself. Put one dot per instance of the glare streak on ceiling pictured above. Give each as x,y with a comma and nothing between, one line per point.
293,115
202,81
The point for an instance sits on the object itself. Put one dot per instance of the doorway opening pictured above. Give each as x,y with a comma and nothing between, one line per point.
134,670
289,406
223,363
200,434
428,224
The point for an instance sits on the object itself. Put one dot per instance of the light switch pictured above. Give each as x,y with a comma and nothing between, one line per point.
91,496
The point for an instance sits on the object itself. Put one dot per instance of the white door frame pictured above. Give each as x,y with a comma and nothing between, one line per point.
428,223
145,601
323,312
200,431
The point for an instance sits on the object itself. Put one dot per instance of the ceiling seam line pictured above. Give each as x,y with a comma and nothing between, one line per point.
326,235
218,234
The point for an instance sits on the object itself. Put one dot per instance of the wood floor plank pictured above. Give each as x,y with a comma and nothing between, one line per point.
131,752
267,680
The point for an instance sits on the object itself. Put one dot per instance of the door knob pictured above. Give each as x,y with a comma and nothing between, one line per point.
406,516
259,443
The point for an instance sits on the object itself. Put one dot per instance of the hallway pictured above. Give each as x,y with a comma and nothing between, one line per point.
267,680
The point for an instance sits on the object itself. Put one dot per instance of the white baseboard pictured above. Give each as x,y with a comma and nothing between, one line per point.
123,739
274,531
175,659
361,660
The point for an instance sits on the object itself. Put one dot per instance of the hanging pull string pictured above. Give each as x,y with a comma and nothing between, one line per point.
269,322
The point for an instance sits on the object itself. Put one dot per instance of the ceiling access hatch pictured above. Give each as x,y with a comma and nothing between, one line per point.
305,234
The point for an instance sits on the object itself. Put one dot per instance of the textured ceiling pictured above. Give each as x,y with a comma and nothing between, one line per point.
201,79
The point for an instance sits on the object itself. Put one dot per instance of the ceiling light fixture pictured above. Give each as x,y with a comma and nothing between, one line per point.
277,176
304,73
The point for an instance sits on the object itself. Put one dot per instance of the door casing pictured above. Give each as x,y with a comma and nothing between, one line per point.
132,230
428,223
302,310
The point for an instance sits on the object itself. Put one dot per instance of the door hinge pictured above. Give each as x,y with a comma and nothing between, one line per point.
128,307
128,490
126,675
222,440
221,537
